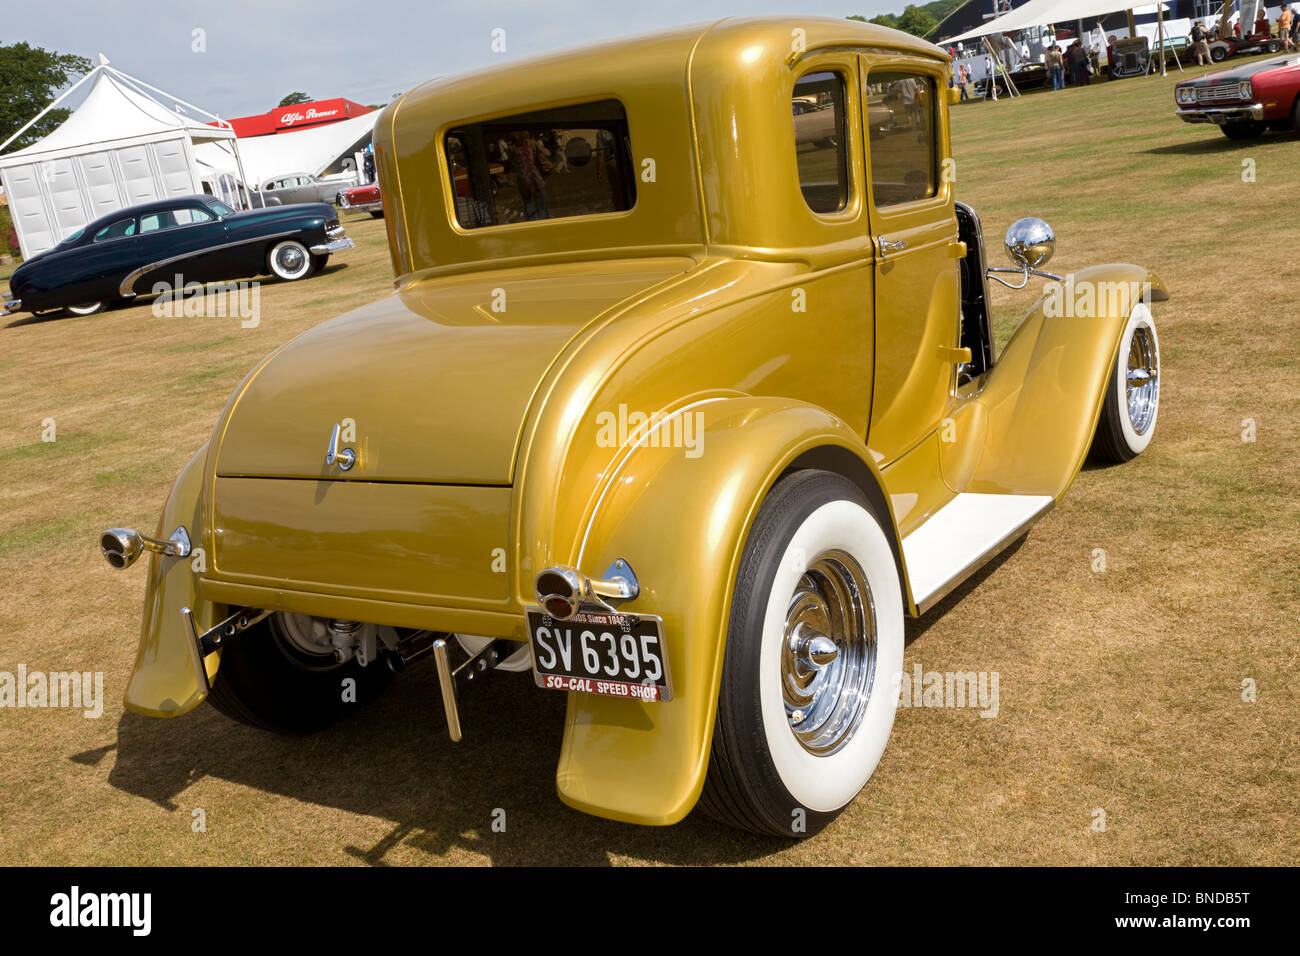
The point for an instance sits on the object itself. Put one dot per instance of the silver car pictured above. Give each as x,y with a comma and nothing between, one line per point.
301,187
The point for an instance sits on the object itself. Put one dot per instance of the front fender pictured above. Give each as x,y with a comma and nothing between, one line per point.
682,523
1045,394
163,682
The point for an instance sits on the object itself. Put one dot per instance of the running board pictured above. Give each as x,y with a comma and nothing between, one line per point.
961,537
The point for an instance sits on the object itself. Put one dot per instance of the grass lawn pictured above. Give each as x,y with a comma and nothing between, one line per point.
1121,692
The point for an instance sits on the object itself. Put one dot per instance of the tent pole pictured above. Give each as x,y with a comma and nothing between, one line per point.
64,95
1160,36
243,177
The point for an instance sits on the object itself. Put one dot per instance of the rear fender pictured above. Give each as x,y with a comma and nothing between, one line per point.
682,522
163,683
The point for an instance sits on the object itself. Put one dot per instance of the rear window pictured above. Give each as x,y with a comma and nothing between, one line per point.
551,164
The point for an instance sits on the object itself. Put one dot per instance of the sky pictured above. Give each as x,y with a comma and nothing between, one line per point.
257,51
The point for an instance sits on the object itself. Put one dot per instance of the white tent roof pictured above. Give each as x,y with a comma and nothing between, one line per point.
1039,12
303,151
115,113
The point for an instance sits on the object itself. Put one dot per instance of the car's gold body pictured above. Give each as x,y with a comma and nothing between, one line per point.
476,429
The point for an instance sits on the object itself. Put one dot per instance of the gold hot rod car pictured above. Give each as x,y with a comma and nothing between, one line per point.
674,408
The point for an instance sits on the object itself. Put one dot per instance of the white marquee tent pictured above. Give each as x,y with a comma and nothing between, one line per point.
121,146
1036,13
311,150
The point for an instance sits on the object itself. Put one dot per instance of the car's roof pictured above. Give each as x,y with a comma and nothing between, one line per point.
741,33
144,209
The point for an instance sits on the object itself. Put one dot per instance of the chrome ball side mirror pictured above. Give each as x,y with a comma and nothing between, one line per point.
1030,243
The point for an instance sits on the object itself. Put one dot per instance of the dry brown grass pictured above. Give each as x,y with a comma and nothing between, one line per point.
1119,690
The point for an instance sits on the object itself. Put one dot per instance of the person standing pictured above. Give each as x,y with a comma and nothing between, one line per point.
1199,45
1284,28
963,80
1055,67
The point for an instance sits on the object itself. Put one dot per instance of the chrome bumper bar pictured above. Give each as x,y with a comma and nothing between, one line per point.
1220,114
334,245
12,306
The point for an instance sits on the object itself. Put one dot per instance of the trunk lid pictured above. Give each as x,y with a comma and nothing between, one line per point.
434,380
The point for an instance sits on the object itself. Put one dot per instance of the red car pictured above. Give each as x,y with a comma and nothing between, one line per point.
1224,47
362,199
1245,101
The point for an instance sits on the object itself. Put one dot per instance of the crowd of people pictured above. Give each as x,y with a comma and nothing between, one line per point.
1077,65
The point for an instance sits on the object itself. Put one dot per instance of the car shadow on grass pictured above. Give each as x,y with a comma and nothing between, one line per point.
1217,144
393,760
915,628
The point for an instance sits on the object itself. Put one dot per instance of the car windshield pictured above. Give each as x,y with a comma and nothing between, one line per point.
220,208
74,237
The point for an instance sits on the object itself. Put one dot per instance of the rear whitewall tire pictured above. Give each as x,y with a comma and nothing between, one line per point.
762,776
827,783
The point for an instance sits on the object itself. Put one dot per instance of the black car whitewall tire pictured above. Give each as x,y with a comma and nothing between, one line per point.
88,308
786,759
290,260
1132,402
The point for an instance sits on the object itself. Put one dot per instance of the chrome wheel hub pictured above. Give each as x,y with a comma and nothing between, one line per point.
1142,379
828,656
290,258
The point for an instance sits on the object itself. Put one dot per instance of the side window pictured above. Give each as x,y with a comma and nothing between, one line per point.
820,150
901,115
171,218
117,230
189,215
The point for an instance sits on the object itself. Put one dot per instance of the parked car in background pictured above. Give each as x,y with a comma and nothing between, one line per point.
1246,100
121,255
1176,47
1131,56
1222,48
362,199
737,422
300,187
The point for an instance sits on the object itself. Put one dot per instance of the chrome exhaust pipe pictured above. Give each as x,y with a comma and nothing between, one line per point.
122,546
562,590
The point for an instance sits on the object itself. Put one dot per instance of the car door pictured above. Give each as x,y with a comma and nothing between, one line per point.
94,271
914,230
178,245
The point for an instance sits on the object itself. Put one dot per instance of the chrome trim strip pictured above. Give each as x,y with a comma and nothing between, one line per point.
126,291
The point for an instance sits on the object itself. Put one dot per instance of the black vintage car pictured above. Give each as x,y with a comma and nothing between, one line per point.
199,238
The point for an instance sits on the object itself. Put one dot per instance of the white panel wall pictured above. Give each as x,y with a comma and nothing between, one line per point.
99,174
32,219
52,199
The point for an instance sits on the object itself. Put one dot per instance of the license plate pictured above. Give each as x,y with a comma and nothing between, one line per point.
600,652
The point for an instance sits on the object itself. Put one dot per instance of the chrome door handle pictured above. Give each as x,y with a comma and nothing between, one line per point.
891,245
